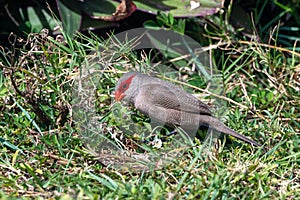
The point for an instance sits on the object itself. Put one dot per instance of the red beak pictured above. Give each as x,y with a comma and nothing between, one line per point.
119,95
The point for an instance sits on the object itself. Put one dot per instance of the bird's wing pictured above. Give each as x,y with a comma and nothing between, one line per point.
172,97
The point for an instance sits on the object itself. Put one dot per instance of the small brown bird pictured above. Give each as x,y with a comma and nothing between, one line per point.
169,104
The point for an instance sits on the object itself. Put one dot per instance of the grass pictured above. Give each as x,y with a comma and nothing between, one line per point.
43,154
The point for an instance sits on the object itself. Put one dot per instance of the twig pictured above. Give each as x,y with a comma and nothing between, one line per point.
270,46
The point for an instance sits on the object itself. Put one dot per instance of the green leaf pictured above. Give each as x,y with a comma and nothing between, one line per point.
35,19
270,96
95,8
151,25
8,144
70,16
170,19
29,118
3,89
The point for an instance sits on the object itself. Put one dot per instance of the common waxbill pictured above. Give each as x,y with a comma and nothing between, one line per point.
169,104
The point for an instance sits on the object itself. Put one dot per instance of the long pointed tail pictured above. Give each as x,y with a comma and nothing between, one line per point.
219,126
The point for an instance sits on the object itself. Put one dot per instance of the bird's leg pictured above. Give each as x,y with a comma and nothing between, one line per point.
172,132
154,132
211,138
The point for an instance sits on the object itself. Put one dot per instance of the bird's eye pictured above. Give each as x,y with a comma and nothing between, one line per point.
124,86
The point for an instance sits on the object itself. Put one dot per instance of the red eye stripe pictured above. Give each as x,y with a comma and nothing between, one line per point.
125,84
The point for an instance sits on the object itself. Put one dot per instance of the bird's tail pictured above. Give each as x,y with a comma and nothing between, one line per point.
219,126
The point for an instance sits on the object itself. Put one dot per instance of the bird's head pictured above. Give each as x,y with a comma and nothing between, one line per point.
127,87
